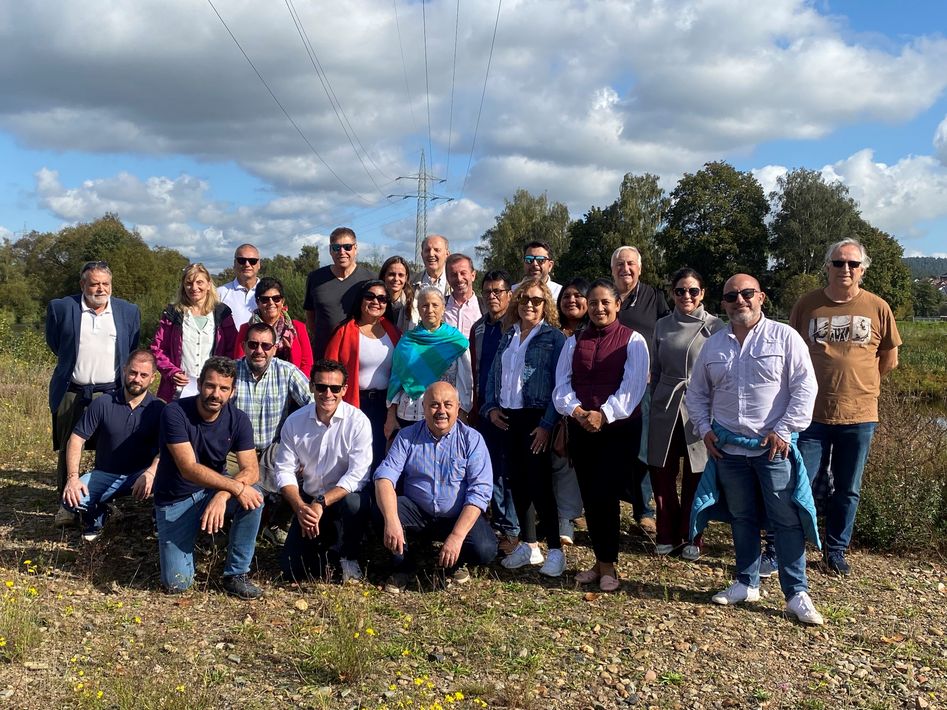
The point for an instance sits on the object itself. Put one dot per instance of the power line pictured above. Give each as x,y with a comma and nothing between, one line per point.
427,81
453,76
404,66
282,108
331,95
482,96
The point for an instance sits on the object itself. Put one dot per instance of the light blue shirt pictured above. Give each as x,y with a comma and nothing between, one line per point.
767,384
443,475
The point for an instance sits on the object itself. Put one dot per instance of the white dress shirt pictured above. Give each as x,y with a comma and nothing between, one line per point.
512,364
95,357
622,403
242,301
767,384
336,455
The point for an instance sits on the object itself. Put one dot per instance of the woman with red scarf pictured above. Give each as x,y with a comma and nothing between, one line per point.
292,338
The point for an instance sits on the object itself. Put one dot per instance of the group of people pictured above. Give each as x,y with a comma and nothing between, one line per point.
488,422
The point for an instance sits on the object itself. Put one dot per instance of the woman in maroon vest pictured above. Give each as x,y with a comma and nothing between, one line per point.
600,379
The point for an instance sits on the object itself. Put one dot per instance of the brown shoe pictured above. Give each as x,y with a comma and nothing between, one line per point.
648,526
508,544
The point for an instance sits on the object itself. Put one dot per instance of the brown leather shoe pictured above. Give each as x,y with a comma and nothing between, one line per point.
508,544
648,526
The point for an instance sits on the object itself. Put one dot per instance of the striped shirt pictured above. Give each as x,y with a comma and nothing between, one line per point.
267,401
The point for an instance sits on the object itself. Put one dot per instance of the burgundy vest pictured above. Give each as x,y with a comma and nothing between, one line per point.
598,363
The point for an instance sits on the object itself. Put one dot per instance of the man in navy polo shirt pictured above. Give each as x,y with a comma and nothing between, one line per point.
125,423
192,490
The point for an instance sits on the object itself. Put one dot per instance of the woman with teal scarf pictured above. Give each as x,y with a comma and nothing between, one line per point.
423,356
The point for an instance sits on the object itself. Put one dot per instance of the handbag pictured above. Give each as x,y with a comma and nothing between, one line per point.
560,438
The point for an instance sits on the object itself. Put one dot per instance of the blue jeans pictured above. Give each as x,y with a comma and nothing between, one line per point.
750,486
103,486
502,509
566,487
340,537
178,524
843,449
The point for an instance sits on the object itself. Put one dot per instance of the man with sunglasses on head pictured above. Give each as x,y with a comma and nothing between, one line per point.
752,390
240,294
268,391
853,341
538,264
330,442
332,291
92,334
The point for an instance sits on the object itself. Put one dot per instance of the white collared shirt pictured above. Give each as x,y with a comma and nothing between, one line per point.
95,358
336,455
512,364
767,384
240,299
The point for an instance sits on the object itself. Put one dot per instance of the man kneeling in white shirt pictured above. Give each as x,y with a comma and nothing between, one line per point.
330,441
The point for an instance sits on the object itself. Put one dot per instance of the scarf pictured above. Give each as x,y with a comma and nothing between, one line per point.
422,356
285,332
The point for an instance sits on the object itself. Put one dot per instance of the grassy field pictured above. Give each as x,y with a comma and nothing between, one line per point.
923,360
85,626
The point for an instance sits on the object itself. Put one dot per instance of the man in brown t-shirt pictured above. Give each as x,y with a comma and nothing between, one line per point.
853,341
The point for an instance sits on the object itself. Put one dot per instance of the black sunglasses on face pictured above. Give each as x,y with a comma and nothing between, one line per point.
256,344
380,297
535,258
349,246
270,299
534,301
693,291
747,293
244,260
322,389
840,264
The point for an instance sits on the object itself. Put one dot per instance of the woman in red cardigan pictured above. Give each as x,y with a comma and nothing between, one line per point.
364,342
292,338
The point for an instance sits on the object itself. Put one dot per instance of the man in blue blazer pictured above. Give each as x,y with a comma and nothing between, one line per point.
91,334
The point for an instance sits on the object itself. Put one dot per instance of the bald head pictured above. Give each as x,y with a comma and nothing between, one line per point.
434,251
743,301
738,282
441,407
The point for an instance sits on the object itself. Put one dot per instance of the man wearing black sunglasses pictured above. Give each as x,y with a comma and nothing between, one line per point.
332,291
240,293
853,340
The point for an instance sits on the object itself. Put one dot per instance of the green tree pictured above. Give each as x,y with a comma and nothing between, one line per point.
927,299
716,225
633,219
888,276
525,218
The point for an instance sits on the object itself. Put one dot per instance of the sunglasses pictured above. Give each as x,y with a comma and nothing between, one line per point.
336,248
693,291
94,266
269,299
841,263
747,293
534,301
494,292
244,260
379,297
322,389
257,345
535,259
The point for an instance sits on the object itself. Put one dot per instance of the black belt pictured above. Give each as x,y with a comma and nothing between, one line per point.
372,394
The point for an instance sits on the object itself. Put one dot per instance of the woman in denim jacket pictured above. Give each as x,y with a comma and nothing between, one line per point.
518,401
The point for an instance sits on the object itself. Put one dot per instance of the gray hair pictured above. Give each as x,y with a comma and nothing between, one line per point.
90,266
619,250
865,259
429,289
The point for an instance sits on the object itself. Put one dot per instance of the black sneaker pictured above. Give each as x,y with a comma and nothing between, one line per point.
239,585
836,563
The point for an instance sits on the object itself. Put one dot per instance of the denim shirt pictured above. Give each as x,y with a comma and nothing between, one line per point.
539,375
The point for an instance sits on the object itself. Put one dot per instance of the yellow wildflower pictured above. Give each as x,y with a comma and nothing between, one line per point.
370,631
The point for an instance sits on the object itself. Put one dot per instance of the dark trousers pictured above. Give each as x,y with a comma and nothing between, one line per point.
478,548
65,418
673,519
372,403
531,478
340,536
502,508
598,459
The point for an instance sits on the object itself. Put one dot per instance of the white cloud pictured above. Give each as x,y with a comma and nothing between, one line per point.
940,141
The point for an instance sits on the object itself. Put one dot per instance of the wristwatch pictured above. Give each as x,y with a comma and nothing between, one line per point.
321,500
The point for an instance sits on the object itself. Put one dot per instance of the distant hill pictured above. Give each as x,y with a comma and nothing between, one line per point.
922,266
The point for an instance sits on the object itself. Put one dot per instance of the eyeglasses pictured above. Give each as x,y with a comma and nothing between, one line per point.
494,292
533,258
322,389
747,293
693,291
840,264
534,301
244,260
379,297
257,345
336,248
269,299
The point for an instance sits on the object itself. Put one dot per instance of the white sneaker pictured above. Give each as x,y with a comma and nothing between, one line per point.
736,593
351,572
566,531
523,555
662,550
691,553
555,564
91,535
65,518
800,605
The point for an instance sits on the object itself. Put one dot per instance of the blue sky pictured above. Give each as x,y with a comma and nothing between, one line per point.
151,111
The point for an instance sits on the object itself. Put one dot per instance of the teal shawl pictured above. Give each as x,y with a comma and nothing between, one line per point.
422,356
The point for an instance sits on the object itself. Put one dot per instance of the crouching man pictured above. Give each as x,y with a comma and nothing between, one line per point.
445,472
191,490
330,441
